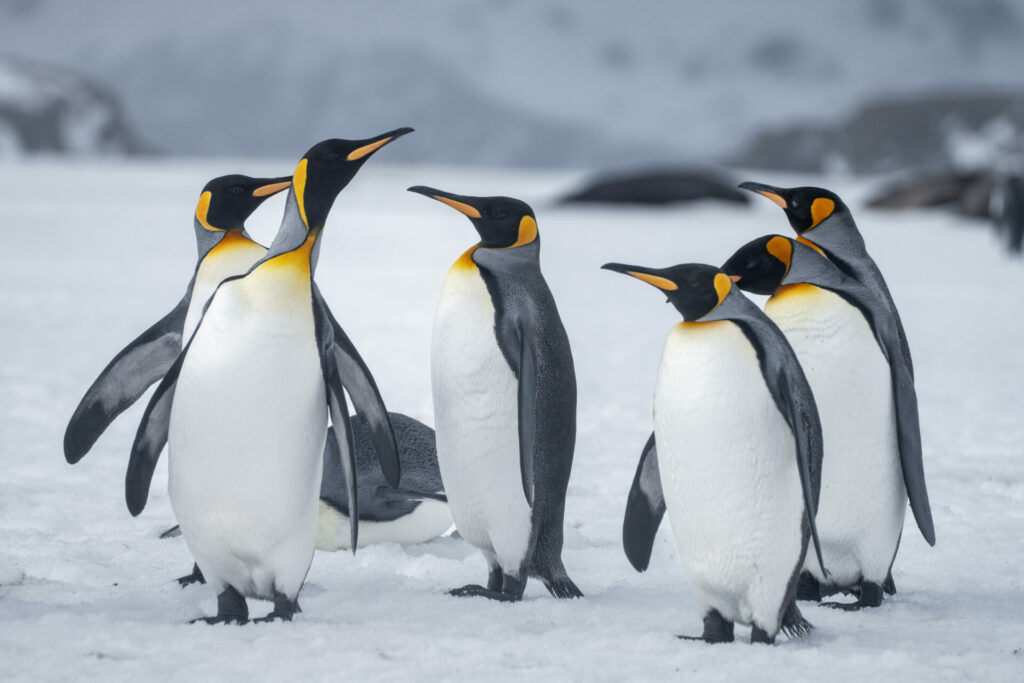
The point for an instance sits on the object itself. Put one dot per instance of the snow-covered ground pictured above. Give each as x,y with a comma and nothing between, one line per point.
93,253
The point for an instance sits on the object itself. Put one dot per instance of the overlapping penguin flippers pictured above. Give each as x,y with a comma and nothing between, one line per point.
645,509
357,380
338,407
527,398
144,361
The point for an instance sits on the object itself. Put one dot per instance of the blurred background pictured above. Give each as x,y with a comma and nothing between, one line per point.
928,92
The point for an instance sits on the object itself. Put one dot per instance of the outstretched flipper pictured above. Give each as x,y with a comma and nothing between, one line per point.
360,385
346,451
151,439
125,378
645,509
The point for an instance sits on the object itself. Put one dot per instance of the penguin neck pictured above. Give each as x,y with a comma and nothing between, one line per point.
293,234
519,260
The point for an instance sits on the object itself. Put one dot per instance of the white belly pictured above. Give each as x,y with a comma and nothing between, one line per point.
729,473
476,419
863,499
430,519
247,433
233,256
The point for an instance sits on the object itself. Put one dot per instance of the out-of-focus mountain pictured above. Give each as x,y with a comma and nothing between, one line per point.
55,110
514,82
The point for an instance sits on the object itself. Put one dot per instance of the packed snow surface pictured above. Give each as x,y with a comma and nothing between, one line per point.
93,254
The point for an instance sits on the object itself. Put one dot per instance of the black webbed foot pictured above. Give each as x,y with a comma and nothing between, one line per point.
870,596
231,609
284,610
511,589
195,577
717,629
759,635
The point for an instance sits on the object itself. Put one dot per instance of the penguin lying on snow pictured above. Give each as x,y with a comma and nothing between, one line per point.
848,343
225,250
821,219
738,457
249,394
504,400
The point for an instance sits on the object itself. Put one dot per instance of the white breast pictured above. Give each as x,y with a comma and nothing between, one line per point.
476,421
863,500
729,473
233,256
430,519
247,432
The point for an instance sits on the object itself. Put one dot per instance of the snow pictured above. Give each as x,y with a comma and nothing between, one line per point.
94,253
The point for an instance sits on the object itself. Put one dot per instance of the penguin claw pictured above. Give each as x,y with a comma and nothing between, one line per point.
221,620
845,606
474,590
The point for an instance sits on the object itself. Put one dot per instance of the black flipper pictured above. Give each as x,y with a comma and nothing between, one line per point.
645,509
361,388
346,451
527,414
151,439
125,378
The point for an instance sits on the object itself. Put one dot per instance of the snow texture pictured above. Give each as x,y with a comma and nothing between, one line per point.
93,253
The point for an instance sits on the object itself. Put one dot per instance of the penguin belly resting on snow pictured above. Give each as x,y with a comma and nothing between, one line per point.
504,400
244,409
849,345
737,457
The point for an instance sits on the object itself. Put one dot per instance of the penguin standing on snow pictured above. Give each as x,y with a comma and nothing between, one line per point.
849,346
504,400
226,250
244,409
738,456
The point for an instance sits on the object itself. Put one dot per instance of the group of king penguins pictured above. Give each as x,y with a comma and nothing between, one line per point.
773,428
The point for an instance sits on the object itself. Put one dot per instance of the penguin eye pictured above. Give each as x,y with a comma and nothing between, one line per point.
497,213
333,157
236,189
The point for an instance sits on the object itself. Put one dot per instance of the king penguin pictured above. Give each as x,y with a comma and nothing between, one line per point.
738,456
848,344
225,249
504,400
244,408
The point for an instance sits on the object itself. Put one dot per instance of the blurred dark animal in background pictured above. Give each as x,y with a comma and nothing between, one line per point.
657,186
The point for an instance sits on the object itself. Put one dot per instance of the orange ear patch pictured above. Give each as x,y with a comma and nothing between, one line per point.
722,286
821,208
782,249
659,282
202,209
299,186
527,231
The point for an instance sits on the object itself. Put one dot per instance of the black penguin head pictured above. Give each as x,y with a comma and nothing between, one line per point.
695,289
226,202
805,207
502,222
327,168
759,266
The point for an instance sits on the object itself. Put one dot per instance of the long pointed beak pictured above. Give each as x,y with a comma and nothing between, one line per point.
272,186
776,194
371,145
648,275
458,202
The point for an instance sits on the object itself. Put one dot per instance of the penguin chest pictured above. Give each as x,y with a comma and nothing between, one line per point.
477,421
729,472
863,499
234,255
247,432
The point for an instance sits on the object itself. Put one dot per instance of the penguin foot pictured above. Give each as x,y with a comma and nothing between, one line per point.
759,635
231,609
195,577
717,629
808,588
284,609
474,590
871,595
794,625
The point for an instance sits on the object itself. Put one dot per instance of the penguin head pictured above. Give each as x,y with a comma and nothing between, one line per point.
695,289
226,202
805,207
502,222
327,168
760,266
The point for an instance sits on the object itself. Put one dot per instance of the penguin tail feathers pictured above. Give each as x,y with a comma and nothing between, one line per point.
793,623
558,583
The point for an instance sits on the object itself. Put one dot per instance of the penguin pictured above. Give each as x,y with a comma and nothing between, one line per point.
847,341
504,391
226,249
244,409
735,457
821,218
